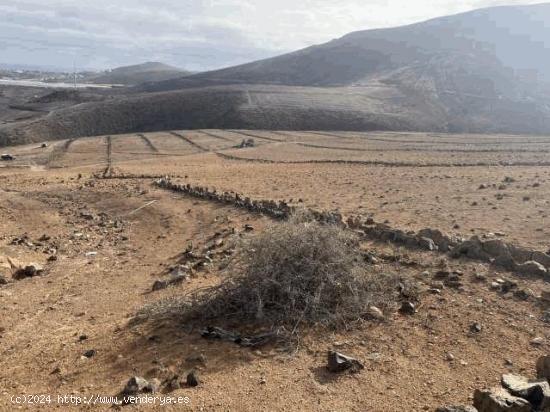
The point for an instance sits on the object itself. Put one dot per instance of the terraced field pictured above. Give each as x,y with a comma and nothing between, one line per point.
93,204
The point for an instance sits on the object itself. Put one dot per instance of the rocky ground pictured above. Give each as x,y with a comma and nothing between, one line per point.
92,253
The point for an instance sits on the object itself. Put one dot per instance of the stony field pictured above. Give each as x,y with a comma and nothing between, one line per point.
89,226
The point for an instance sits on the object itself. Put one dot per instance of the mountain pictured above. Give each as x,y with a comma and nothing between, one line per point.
140,73
483,71
494,45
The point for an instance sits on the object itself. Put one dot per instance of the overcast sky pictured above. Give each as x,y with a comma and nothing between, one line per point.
193,34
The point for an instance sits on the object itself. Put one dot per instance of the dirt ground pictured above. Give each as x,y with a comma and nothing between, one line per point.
113,238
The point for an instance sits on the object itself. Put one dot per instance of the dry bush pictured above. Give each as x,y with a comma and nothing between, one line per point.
299,271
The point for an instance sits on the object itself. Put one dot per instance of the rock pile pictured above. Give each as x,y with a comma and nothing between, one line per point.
495,251
516,394
277,210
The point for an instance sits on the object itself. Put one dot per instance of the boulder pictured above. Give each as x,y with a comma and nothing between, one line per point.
536,392
543,367
532,268
499,400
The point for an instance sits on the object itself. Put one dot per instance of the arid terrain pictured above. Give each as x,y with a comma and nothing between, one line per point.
88,215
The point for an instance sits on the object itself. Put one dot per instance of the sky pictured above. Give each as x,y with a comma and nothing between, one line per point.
193,34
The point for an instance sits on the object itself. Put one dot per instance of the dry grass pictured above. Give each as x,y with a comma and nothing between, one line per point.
295,273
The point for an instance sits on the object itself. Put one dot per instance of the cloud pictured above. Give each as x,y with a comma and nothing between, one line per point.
195,34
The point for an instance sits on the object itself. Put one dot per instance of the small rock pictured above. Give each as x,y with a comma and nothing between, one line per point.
480,277
248,228
90,353
407,308
192,379
524,294
537,341
476,327
3,280
495,285
375,313
138,385
159,285
338,362
449,357
437,284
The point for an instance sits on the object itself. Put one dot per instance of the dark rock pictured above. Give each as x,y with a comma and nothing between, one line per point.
508,285
476,327
442,274
543,367
407,308
3,280
159,285
537,392
248,228
524,294
192,379
499,400
90,353
337,362
28,271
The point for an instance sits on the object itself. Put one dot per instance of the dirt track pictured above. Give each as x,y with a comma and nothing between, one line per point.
139,232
